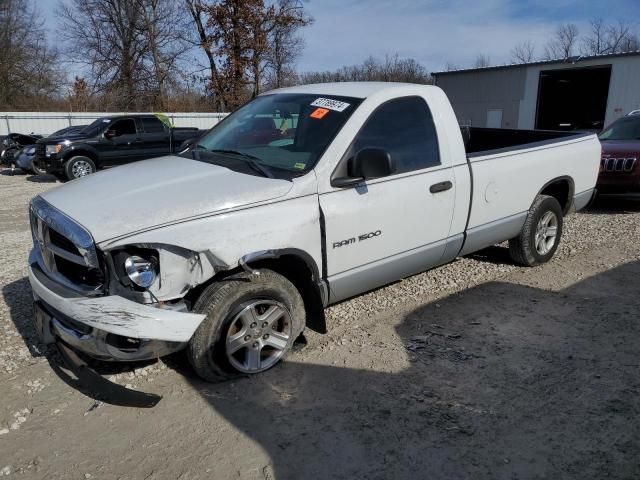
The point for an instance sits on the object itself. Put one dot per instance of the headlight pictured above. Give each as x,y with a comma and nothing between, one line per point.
51,149
30,150
141,271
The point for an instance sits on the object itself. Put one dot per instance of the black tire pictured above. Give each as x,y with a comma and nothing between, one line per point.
37,170
222,302
522,248
72,168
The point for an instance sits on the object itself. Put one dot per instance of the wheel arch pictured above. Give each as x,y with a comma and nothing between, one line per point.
562,189
295,265
82,152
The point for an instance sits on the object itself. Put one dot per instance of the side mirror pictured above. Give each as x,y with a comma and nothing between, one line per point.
366,164
109,134
371,163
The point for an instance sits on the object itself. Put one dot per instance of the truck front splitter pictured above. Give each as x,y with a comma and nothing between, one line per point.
94,385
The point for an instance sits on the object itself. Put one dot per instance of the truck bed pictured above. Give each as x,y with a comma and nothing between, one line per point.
484,141
509,168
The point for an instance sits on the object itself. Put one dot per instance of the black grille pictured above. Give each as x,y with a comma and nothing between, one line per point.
63,242
78,274
620,165
41,158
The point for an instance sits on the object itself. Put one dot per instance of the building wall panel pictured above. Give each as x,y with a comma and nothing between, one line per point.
45,123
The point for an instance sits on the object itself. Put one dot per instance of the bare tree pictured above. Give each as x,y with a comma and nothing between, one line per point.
129,48
106,36
563,44
198,10
239,38
79,97
28,73
285,44
482,61
604,39
161,21
595,41
391,69
620,37
523,52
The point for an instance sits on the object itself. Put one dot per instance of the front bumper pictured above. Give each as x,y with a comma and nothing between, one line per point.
107,327
50,164
619,184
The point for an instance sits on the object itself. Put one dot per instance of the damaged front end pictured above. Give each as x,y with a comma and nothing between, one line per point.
121,305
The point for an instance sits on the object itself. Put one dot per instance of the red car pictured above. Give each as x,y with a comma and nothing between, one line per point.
619,171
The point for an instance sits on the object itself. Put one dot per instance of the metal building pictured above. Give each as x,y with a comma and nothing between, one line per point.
579,93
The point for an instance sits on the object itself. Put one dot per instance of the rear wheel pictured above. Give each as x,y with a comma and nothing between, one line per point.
251,323
80,166
540,235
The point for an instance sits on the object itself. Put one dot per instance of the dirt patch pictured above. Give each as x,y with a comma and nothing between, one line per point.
478,369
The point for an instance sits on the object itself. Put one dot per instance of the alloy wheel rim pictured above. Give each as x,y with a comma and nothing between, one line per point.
546,233
81,169
258,336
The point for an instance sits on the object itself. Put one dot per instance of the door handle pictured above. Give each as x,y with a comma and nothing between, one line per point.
440,187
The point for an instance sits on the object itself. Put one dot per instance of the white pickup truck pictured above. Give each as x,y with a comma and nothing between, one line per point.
301,198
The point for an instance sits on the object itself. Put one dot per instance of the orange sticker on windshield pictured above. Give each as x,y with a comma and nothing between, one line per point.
319,113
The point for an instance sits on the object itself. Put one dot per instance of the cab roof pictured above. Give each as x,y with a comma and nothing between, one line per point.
348,89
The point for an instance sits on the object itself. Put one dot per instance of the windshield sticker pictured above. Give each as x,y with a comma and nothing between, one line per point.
319,113
330,104
299,166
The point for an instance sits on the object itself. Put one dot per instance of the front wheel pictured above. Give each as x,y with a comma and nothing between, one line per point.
80,166
36,170
251,324
539,238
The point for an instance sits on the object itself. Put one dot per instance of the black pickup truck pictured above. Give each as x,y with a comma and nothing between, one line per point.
108,142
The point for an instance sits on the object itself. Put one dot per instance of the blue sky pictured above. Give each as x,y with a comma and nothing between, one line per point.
434,32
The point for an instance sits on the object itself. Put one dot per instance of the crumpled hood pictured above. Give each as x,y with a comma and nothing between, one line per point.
147,194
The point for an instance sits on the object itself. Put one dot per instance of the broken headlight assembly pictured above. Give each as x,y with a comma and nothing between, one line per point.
141,271
138,268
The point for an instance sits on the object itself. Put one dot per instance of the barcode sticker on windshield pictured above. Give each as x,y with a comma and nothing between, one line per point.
335,105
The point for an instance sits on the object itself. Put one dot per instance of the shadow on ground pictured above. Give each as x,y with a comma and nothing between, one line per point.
18,297
502,381
10,172
42,179
616,204
495,254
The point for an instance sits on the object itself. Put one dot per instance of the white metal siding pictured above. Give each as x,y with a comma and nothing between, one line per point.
515,90
472,94
45,123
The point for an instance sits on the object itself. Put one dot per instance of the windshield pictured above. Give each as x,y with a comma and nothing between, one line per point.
285,131
625,128
96,127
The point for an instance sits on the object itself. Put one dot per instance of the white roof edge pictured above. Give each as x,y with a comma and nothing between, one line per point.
346,89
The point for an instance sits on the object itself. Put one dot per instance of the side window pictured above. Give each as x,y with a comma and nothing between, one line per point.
404,127
124,127
152,125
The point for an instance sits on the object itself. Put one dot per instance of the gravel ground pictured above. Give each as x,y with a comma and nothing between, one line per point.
477,369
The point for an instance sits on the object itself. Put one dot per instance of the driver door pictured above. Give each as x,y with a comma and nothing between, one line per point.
119,144
388,228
